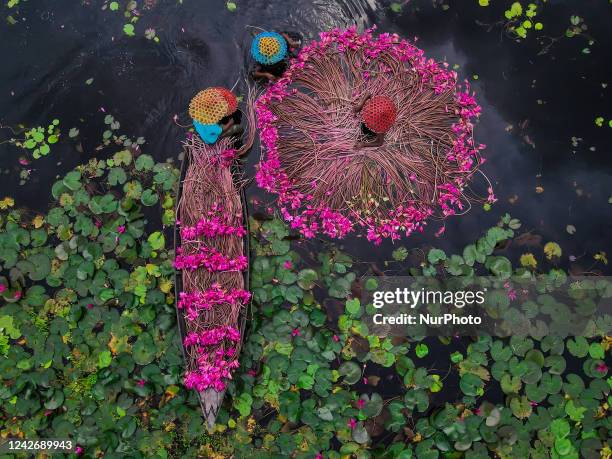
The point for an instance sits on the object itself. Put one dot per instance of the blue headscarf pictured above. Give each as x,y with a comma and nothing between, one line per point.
208,132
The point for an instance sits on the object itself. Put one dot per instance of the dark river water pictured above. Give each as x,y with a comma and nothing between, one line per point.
534,100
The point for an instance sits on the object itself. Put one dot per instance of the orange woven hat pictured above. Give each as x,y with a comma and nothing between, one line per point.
232,102
208,106
379,114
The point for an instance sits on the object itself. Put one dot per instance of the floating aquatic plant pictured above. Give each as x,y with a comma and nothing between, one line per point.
91,336
37,141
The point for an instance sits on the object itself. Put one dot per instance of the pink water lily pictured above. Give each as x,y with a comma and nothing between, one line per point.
210,259
195,302
601,368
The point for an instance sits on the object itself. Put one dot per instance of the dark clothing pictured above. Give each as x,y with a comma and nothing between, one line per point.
295,37
236,116
275,69
369,134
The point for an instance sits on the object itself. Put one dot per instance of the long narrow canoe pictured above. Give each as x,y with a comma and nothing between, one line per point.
211,399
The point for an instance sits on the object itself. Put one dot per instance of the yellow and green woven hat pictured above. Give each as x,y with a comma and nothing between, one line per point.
208,106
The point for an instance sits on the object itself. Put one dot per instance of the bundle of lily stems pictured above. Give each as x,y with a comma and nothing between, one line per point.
310,131
213,260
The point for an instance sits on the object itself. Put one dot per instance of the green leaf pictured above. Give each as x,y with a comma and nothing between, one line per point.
576,413
231,6
400,254
351,372
563,446
307,278
500,266
157,240
578,347
41,266
360,434
104,359
128,29
144,349
149,197
305,381
436,255
521,408
373,405
144,163
421,350
116,176
470,384
596,351
243,403
72,180
6,325
114,6
353,306
55,401
325,414
560,428
396,7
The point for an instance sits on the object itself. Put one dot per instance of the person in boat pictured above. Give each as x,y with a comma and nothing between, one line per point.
215,114
231,125
377,113
271,51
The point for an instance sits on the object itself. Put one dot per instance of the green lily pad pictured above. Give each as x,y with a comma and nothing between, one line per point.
471,384
144,163
351,372
157,240
117,176
72,180
360,434
149,197
306,278
144,349
373,405
41,266
520,406
55,401
578,346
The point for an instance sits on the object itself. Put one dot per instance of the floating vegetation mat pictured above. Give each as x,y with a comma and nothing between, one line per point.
310,129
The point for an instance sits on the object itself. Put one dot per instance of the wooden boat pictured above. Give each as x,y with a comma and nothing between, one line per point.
210,398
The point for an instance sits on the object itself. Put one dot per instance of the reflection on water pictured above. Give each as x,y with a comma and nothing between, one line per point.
532,104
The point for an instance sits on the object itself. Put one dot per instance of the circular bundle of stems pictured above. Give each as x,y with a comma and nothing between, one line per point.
318,134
